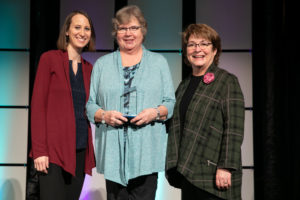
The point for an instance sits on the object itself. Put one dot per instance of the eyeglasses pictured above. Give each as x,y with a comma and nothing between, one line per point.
202,45
131,29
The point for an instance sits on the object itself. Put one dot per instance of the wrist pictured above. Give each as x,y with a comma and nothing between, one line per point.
103,117
157,117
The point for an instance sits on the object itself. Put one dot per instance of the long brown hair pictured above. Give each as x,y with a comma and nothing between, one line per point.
63,40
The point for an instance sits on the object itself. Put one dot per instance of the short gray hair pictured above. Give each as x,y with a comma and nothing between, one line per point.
125,14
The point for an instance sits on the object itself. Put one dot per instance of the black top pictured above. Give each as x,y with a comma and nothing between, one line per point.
187,97
79,96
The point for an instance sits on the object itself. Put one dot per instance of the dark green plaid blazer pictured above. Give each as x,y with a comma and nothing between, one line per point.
212,136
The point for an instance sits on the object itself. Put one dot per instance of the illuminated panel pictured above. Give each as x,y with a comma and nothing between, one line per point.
174,61
230,18
13,135
14,82
94,187
15,24
101,13
248,184
165,191
164,20
240,64
92,57
247,147
12,183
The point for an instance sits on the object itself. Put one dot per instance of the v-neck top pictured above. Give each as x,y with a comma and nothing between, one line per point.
79,96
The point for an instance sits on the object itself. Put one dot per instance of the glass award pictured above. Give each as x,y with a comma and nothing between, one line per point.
128,103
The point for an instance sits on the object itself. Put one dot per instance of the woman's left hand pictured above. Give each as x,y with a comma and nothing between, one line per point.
145,117
223,178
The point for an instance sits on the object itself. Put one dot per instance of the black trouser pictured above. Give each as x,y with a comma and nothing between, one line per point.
191,192
140,188
61,185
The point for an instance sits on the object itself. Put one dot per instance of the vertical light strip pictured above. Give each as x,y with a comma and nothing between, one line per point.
14,81
160,192
6,121
15,24
14,89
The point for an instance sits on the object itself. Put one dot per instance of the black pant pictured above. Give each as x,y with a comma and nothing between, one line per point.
140,188
32,186
191,192
59,184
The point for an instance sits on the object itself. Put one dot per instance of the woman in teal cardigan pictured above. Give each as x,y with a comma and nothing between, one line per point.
130,81
206,131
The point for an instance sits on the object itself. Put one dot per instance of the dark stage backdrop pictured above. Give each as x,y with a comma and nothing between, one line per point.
276,139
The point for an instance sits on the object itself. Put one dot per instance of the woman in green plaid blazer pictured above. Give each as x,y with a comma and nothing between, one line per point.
207,128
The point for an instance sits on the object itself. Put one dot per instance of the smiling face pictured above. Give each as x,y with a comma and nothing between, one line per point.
79,32
130,40
200,53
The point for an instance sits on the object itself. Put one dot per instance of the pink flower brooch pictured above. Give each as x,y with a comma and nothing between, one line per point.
208,78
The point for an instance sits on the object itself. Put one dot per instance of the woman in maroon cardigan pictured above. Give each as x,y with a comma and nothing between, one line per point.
61,137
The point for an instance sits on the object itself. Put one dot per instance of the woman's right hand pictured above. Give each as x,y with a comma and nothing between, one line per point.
111,117
41,164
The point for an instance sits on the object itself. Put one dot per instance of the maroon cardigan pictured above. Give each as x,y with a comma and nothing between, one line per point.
53,131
